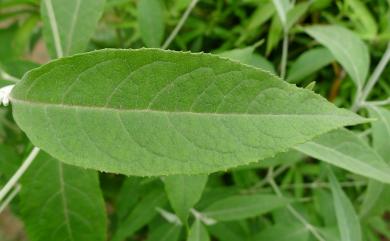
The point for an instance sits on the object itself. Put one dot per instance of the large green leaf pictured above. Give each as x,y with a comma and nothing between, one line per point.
69,24
61,202
184,192
344,149
347,219
241,207
158,112
282,232
346,47
165,232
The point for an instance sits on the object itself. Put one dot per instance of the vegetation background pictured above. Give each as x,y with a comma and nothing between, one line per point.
346,204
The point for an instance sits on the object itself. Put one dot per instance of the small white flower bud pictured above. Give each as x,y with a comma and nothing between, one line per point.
4,94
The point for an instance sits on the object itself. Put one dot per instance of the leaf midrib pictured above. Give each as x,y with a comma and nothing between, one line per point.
104,108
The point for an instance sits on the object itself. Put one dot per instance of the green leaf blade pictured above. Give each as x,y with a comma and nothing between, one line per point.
354,56
344,149
184,192
66,29
61,202
166,112
241,207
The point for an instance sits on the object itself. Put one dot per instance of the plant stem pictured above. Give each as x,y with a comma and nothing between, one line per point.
5,76
179,24
15,178
10,197
361,98
283,65
293,211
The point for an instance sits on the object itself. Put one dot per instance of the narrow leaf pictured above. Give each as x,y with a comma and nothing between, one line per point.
282,232
198,232
347,220
344,149
156,112
142,213
69,24
61,202
184,192
381,131
308,63
150,14
346,47
165,232
241,207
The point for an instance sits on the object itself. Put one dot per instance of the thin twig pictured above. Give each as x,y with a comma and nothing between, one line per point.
377,102
180,24
361,98
5,76
9,198
15,178
283,65
293,211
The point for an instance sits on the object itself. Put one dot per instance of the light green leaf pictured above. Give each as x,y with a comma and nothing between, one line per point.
296,13
282,232
381,131
69,24
241,207
198,232
247,56
275,34
150,14
308,63
61,202
347,220
344,149
282,7
142,214
158,112
346,47
165,232
184,192
364,20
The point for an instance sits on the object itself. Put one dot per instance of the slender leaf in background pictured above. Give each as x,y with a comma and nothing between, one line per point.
348,49
377,196
198,232
296,13
61,202
165,232
347,219
241,207
294,232
166,112
141,215
274,34
381,131
247,56
344,149
229,231
363,19
184,192
282,7
308,63
69,24
150,14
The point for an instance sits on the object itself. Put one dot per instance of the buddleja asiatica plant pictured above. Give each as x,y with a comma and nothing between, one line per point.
168,119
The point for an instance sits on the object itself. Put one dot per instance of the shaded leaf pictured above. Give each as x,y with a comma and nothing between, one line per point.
241,207
69,24
184,192
347,220
344,149
354,56
198,232
150,16
165,232
61,202
308,63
